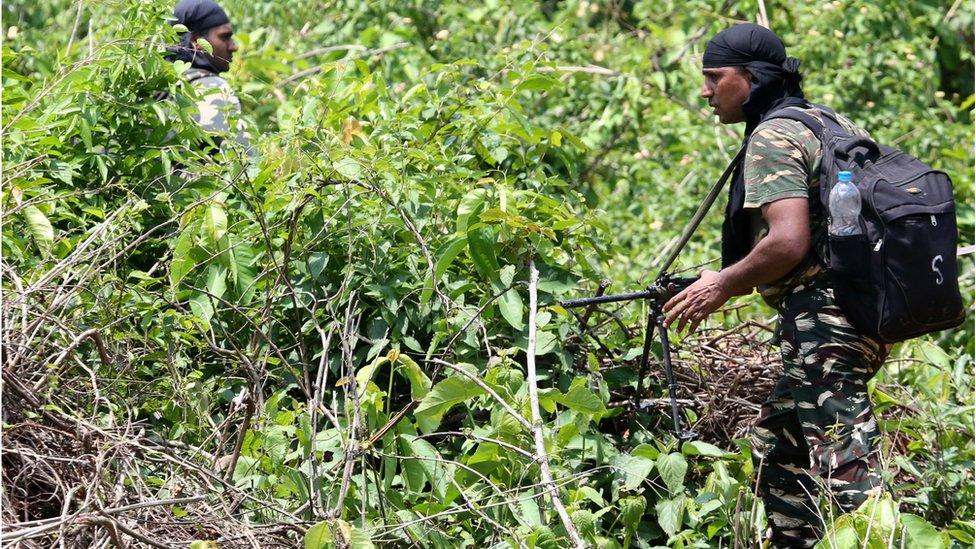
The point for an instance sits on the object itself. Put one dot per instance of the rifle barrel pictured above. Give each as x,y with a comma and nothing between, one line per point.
584,301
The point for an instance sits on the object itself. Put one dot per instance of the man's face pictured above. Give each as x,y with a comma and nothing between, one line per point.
221,38
726,89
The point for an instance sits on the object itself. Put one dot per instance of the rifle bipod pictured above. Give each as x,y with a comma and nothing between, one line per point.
656,294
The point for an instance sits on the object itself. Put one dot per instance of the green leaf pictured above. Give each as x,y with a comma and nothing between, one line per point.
215,223
507,275
359,540
670,514
499,154
366,373
699,448
481,248
631,511
419,382
204,45
319,536
919,534
673,468
471,203
316,264
348,167
217,280
182,262
445,257
537,82
430,461
442,397
633,469
840,537
40,228
446,254
512,307
580,398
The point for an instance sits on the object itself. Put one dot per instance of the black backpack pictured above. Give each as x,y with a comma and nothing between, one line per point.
898,280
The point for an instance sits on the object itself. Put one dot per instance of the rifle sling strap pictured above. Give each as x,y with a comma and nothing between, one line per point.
700,214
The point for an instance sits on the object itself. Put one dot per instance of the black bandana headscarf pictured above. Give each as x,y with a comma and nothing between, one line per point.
776,77
199,16
775,85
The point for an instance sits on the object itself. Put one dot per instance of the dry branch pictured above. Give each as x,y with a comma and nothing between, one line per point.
540,443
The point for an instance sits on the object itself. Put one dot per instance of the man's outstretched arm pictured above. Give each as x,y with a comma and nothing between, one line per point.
782,249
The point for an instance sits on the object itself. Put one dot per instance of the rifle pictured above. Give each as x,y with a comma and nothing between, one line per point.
663,289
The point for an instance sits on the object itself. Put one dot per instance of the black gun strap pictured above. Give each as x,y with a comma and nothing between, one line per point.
700,214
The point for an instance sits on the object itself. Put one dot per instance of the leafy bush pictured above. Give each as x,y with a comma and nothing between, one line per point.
339,330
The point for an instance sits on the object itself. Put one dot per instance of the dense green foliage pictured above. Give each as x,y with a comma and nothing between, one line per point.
344,320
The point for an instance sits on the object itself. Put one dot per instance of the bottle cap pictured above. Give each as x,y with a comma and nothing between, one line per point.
845,176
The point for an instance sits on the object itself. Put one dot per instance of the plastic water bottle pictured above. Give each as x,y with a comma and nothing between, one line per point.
845,206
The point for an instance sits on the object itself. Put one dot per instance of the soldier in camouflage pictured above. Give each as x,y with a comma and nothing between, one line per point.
816,433
219,109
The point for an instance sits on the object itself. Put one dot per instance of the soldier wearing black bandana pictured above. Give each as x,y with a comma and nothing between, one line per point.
816,433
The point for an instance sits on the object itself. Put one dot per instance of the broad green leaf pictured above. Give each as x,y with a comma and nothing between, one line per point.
699,448
182,263
843,537
348,167
202,307
631,510
442,397
538,82
672,468
319,536
445,257
470,204
366,373
512,308
646,451
882,514
419,382
354,537
670,514
633,469
217,280
446,254
481,248
215,223
40,228
507,275
919,534
585,522
530,511
434,468
580,399
316,263
204,45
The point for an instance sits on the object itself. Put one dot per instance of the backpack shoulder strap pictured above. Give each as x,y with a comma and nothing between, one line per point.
829,117
194,74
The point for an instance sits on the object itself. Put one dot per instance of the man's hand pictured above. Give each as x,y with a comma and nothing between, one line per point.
693,304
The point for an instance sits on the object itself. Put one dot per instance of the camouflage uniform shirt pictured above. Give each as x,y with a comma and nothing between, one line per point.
783,161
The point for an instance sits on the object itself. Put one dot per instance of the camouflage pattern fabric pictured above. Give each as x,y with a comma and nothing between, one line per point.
816,433
783,161
219,108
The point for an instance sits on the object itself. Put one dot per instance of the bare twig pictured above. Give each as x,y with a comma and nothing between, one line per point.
540,444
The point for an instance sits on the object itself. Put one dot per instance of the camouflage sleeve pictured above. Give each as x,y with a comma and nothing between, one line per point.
219,108
779,162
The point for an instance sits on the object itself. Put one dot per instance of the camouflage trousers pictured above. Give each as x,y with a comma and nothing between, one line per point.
816,430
